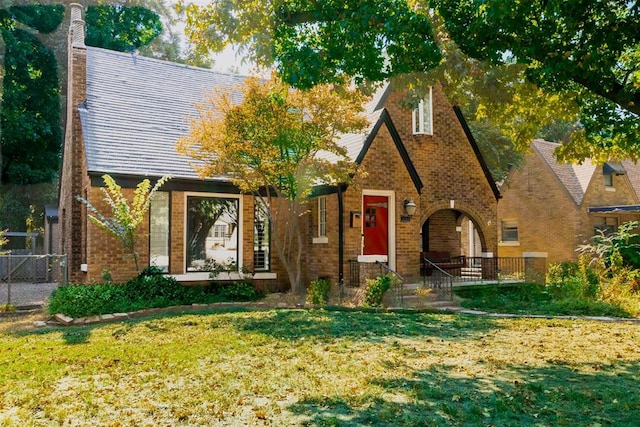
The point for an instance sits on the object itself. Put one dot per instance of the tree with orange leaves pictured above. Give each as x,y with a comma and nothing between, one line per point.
277,144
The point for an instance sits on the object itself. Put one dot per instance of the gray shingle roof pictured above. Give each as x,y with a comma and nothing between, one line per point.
633,173
137,108
575,178
354,142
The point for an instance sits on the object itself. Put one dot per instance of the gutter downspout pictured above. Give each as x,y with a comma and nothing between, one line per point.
340,242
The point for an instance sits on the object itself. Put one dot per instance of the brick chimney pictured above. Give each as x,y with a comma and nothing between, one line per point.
73,174
76,29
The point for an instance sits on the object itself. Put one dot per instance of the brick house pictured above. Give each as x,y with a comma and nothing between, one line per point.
427,187
548,208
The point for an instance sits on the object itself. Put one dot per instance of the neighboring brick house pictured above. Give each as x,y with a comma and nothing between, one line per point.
548,209
126,113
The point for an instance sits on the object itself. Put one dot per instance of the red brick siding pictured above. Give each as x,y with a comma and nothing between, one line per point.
73,173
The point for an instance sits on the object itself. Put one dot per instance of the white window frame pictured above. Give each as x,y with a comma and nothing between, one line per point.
322,221
418,124
267,260
219,231
153,240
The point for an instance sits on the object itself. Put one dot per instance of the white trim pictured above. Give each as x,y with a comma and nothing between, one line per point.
322,212
512,243
199,276
486,255
320,240
240,226
391,224
202,276
609,188
417,114
373,258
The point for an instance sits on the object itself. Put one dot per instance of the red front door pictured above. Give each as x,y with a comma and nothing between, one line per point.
375,225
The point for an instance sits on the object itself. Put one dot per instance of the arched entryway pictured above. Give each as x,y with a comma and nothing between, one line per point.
454,232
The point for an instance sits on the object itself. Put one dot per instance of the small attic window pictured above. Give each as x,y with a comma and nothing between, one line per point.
422,117
610,168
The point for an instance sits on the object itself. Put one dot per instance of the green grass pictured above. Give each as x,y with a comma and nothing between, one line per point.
317,367
529,298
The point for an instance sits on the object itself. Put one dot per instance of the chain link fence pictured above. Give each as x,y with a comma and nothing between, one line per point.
28,280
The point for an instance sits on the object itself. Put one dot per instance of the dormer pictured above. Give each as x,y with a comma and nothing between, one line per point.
609,169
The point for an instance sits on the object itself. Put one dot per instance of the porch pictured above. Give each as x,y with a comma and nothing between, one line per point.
437,281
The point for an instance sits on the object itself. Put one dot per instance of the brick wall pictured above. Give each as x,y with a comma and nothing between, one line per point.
105,252
73,172
448,167
449,171
545,213
445,162
548,218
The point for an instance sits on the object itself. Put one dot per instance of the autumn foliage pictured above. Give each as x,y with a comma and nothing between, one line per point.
277,143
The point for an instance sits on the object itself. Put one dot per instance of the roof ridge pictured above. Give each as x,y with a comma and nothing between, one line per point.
165,61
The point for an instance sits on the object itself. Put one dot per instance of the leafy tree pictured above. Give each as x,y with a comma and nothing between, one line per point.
125,218
32,42
576,58
587,51
31,134
276,144
504,110
121,28
318,42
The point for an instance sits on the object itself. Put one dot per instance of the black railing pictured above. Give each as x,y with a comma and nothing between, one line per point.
498,268
475,269
399,288
436,278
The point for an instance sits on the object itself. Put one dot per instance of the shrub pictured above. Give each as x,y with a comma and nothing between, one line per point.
618,249
375,290
152,285
318,292
238,291
150,289
88,300
573,279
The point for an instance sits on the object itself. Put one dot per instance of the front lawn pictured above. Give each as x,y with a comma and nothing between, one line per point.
318,367
531,298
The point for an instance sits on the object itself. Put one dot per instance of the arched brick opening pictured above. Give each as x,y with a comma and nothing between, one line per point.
454,231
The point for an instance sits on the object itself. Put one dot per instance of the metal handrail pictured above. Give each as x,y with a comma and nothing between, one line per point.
391,270
437,267
445,276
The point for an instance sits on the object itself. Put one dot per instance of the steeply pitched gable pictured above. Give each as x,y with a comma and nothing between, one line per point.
573,178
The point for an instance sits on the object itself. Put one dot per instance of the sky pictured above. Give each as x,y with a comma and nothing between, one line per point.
226,60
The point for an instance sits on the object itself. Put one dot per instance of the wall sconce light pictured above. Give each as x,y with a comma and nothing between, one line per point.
409,206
